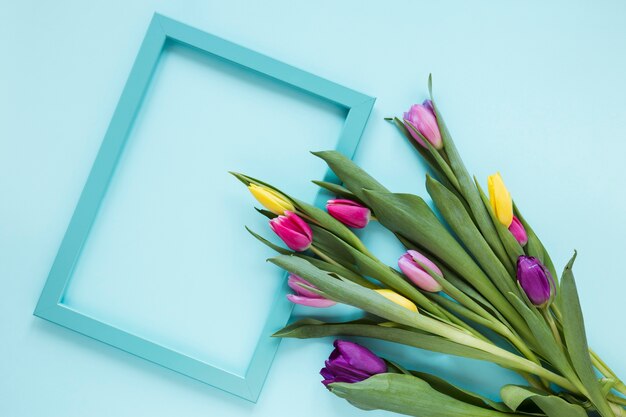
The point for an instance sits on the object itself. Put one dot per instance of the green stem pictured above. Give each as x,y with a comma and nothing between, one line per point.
550,320
512,360
323,256
616,399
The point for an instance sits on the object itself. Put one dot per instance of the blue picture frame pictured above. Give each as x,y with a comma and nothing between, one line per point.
50,306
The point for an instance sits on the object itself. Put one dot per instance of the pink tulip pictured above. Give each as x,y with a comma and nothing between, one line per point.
293,231
349,212
422,117
517,230
304,296
419,276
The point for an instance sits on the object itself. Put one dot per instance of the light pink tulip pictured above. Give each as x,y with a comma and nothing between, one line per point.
349,212
293,231
304,296
422,117
413,270
517,230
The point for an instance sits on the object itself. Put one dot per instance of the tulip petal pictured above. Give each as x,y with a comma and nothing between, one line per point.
349,213
500,199
299,224
418,257
270,199
517,230
535,280
416,274
293,282
398,299
360,357
310,302
293,239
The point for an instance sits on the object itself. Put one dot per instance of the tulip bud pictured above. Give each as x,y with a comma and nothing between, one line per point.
294,231
535,280
500,199
304,296
422,118
350,363
271,199
517,230
409,265
349,212
398,299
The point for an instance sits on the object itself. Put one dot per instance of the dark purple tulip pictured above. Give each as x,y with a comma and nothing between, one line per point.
535,280
350,362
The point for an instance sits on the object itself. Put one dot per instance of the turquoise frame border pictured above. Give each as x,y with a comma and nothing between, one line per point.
50,305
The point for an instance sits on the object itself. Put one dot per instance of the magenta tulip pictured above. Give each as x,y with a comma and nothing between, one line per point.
409,264
535,280
517,230
350,362
304,296
294,231
349,212
422,118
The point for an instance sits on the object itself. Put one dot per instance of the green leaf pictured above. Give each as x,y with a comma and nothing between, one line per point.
408,395
409,216
353,177
310,328
553,406
576,340
339,270
277,248
338,190
460,394
266,213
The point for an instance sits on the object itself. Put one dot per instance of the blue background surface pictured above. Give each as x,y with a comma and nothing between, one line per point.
534,90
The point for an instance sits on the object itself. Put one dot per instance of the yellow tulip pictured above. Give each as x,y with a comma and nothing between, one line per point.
270,199
398,299
500,199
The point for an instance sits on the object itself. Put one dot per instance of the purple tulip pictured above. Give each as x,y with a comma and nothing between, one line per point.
422,118
350,362
304,296
293,231
349,212
535,280
409,265
517,230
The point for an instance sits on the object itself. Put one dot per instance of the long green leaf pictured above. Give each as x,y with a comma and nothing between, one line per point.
337,190
576,340
460,394
354,178
553,406
310,328
408,395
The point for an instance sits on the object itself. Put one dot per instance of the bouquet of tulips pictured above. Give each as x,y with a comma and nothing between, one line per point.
475,281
